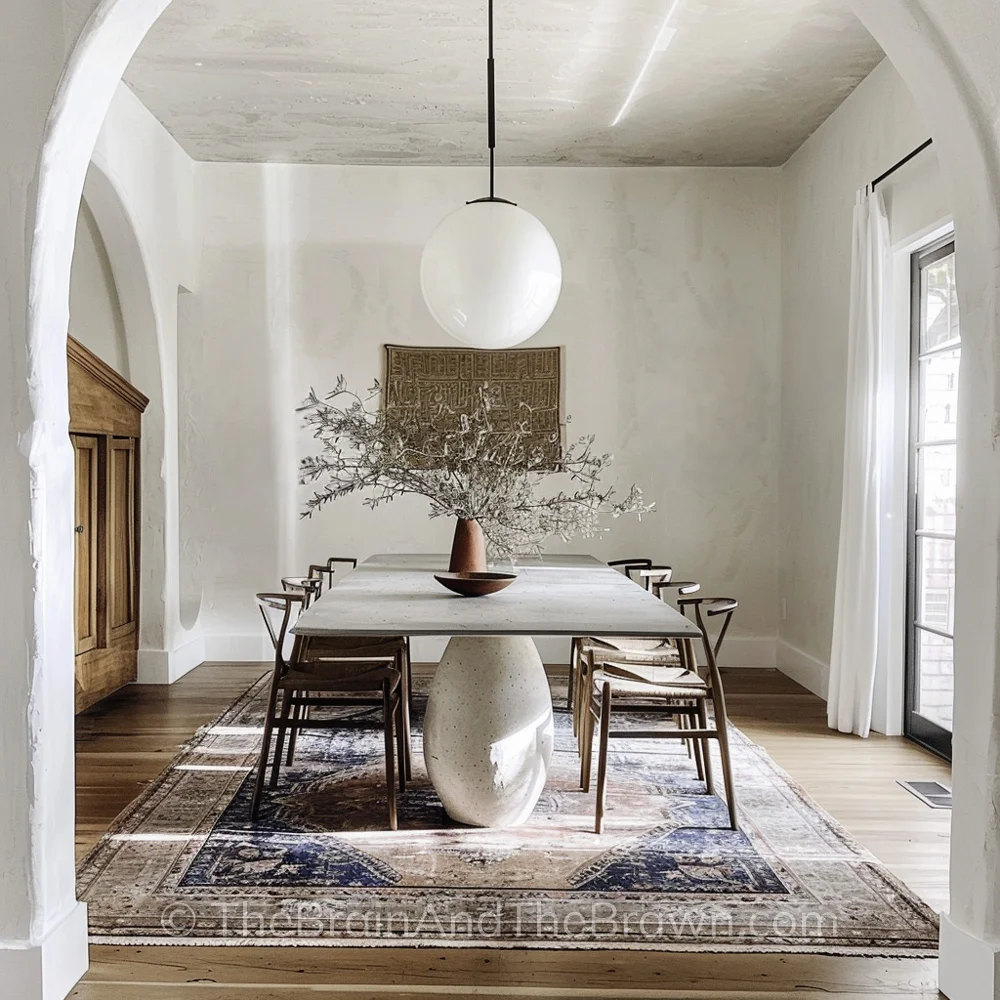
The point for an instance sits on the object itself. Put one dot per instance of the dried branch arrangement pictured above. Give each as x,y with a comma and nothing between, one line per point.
463,464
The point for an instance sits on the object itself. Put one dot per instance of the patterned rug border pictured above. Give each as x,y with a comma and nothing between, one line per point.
119,823
128,814
680,948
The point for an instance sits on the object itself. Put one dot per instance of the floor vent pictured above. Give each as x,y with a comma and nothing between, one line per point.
931,793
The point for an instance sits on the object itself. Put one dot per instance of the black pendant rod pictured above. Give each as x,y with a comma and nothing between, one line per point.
902,163
491,102
491,112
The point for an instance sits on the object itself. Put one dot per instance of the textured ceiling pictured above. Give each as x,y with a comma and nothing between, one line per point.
403,81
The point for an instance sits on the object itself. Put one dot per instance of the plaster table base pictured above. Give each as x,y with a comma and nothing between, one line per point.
488,729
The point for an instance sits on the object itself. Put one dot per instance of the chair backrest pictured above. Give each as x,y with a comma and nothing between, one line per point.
650,576
710,607
321,573
326,573
280,612
308,586
631,567
665,589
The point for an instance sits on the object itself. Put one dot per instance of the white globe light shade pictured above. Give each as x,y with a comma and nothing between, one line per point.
491,274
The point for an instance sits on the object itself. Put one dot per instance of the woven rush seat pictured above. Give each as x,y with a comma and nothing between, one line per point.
639,681
663,649
635,649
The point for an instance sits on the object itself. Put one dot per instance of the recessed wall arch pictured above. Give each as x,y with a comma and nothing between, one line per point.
960,118
135,293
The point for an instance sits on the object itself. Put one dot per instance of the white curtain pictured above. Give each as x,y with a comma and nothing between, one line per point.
854,650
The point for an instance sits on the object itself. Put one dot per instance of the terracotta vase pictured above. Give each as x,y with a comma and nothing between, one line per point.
468,550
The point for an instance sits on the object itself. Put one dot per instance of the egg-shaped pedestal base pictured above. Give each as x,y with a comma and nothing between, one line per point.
488,729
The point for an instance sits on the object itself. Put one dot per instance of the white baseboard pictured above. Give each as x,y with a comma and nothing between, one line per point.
812,674
50,970
247,647
737,651
252,648
969,968
748,651
164,666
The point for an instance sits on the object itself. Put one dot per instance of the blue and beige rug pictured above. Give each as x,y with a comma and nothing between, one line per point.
183,865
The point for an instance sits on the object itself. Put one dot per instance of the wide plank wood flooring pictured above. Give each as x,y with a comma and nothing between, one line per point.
127,740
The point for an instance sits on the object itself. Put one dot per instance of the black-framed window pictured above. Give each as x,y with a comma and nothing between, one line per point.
936,351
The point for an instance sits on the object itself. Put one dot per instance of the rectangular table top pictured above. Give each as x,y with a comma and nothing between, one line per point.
555,595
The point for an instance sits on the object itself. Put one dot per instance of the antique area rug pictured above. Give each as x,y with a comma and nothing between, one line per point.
182,865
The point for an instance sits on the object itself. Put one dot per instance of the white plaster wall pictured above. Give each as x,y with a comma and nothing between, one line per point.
95,314
151,180
875,127
669,316
36,787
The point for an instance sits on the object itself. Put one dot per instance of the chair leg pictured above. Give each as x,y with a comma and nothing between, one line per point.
577,708
272,704
722,725
301,712
400,714
706,753
279,746
409,677
406,701
586,742
602,760
688,656
583,695
390,783
569,685
699,751
684,722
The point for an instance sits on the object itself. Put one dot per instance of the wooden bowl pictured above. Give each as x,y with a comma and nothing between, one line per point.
475,584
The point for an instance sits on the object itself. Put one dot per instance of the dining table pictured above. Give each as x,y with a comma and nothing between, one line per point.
488,727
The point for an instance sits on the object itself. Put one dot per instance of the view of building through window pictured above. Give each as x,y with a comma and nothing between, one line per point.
937,356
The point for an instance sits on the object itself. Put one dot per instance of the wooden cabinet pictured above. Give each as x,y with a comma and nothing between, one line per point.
105,427
87,465
122,511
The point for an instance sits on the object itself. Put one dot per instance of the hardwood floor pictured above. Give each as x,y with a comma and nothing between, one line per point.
128,739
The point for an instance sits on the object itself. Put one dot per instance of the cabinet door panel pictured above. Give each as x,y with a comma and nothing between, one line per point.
121,536
87,542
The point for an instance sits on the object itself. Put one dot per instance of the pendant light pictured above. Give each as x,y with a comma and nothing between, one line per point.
490,272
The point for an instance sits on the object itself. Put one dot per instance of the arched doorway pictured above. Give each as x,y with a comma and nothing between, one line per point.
41,856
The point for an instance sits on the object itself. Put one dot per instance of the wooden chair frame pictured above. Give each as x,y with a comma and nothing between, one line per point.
340,673
685,701
329,571
284,602
326,575
316,673
577,693
651,575
628,567
309,586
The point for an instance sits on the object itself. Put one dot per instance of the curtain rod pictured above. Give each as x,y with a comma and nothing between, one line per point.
902,163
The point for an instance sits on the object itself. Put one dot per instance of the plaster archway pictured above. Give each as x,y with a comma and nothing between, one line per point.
967,147
959,113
